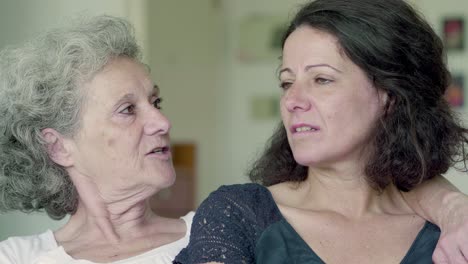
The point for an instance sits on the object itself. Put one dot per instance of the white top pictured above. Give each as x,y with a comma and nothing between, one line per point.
43,249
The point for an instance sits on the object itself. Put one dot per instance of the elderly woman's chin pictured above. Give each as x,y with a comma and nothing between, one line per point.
167,177
160,174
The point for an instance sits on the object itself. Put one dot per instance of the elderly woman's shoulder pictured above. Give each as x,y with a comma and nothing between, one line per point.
24,249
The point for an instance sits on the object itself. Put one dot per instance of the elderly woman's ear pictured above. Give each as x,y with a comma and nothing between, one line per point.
57,147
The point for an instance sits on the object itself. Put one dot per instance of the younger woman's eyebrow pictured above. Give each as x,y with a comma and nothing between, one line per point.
308,67
322,65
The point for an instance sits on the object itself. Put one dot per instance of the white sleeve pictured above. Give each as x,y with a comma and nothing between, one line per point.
7,253
23,250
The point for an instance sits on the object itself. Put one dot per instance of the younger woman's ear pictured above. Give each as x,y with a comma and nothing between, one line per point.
387,101
57,147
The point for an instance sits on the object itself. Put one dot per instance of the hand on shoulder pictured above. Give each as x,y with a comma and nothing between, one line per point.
453,243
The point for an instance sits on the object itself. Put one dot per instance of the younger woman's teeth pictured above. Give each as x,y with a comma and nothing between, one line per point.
304,128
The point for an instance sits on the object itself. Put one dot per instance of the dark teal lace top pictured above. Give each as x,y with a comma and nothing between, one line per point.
242,224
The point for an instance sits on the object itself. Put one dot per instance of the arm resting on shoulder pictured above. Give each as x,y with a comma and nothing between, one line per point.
441,203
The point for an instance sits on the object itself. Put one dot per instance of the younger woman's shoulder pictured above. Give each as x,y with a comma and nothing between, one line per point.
242,193
249,200
244,187
228,223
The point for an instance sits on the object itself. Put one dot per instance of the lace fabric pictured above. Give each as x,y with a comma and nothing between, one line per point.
228,224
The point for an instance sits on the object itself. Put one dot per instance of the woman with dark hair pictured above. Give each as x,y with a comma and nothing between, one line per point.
363,121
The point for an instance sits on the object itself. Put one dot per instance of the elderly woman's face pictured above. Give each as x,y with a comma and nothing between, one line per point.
328,106
123,143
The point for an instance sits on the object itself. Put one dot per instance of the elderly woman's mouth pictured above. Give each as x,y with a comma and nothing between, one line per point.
160,151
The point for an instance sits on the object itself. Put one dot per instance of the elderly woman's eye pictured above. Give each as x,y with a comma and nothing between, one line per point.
129,110
157,103
285,85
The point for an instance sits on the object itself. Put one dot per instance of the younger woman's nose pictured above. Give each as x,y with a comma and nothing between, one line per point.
296,99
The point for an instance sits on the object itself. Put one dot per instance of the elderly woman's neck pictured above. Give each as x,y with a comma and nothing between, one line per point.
115,216
96,221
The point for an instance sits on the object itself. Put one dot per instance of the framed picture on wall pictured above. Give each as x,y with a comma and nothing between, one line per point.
454,33
455,94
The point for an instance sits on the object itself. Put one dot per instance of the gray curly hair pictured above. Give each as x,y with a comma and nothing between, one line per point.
40,88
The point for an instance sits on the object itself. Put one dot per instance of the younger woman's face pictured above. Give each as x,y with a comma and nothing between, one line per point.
329,107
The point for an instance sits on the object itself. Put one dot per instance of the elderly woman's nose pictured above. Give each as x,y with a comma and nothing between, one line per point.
156,123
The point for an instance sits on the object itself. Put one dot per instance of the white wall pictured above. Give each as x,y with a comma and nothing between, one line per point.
187,44
23,19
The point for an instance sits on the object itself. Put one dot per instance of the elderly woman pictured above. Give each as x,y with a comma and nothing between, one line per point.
363,119
82,134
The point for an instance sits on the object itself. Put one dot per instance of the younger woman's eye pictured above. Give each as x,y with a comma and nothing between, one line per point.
157,103
129,110
321,80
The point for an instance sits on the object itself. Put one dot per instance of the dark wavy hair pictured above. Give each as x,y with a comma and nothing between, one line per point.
418,137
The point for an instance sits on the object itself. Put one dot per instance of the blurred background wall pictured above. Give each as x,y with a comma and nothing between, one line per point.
217,78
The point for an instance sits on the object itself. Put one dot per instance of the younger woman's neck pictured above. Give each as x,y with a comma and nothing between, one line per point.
347,193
